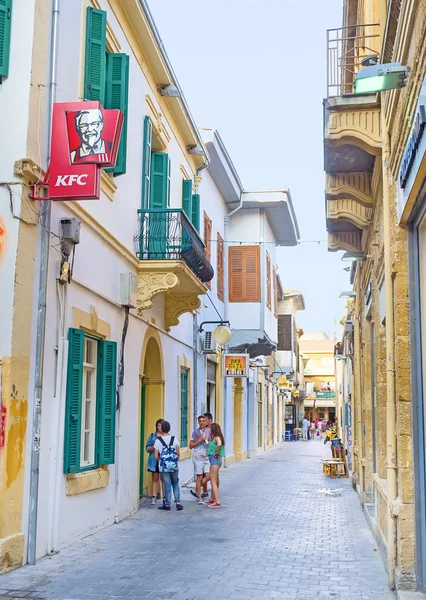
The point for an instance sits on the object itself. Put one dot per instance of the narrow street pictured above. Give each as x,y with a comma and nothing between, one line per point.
281,534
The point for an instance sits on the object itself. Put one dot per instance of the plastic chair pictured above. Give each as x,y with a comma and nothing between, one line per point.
287,436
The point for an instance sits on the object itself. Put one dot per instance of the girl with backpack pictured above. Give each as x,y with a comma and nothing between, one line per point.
152,463
215,452
167,452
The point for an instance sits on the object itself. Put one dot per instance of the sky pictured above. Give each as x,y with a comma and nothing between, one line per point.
256,72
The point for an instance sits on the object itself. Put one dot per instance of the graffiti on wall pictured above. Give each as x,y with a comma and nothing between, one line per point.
2,238
348,411
2,426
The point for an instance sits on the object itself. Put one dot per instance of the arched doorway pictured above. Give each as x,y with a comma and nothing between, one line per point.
151,398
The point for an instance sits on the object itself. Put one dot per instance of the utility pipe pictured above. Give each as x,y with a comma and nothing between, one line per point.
391,465
45,218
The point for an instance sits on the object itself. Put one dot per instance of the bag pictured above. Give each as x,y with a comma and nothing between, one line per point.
169,461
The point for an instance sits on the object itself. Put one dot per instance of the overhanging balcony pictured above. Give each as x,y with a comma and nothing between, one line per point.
352,137
172,260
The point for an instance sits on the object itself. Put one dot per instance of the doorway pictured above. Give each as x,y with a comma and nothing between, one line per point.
211,389
151,401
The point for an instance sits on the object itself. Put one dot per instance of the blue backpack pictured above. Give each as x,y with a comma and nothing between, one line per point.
169,460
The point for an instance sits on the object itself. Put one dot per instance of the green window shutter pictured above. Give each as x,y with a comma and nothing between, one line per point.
73,401
107,403
95,62
184,408
187,197
117,96
146,166
196,211
159,180
5,24
169,183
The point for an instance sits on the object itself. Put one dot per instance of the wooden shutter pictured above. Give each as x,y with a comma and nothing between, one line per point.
184,408
117,97
196,211
208,242
284,333
146,166
5,26
169,183
275,284
107,403
187,197
95,59
159,180
268,280
73,401
220,267
244,274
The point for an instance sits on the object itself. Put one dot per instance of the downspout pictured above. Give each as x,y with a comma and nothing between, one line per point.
357,394
120,393
44,227
226,306
391,464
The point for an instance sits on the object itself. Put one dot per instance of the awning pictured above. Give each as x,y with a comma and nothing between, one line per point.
263,347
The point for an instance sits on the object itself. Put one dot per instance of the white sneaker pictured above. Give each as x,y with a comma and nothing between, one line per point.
200,501
153,501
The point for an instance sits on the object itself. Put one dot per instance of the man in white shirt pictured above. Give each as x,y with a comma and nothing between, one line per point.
305,427
168,444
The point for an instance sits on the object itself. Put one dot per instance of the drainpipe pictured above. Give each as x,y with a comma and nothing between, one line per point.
227,220
391,464
45,214
357,394
120,394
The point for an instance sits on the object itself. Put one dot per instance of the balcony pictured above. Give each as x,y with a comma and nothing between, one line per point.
171,261
352,137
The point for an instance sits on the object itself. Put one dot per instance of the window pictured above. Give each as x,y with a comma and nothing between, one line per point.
90,402
220,267
5,25
268,281
208,241
244,274
191,204
275,283
284,333
106,77
156,168
184,401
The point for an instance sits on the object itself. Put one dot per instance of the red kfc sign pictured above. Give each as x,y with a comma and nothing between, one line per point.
85,139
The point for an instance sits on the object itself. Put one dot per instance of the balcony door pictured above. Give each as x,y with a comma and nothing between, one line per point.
159,219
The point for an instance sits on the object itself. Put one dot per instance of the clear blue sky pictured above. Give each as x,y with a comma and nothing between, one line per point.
256,71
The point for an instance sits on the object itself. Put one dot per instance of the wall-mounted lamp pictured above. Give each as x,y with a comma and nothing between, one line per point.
379,77
340,357
168,90
354,257
347,294
222,334
197,150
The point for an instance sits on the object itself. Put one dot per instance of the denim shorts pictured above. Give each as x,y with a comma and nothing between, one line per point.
215,462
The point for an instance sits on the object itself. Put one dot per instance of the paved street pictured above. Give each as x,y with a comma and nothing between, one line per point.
279,535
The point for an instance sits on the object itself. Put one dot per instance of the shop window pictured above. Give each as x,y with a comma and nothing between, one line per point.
90,402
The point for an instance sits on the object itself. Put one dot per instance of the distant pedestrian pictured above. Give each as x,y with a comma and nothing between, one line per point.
152,462
215,452
167,452
313,429
305,425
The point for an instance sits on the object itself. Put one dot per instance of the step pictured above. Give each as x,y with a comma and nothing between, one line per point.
406,595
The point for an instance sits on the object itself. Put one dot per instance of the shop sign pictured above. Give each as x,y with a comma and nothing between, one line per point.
85,139
236,365
412,145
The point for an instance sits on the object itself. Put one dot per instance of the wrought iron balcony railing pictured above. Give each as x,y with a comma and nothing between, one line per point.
346,47
167,234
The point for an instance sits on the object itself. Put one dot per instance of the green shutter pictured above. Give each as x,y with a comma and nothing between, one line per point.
73,401
95,63
196,211
169,175
187,197
184,408
107,403
159,180
117,95
146,166
5,23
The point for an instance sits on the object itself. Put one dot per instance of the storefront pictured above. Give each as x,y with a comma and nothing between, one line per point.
412,212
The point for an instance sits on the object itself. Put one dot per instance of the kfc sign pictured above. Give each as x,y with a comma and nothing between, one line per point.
85,139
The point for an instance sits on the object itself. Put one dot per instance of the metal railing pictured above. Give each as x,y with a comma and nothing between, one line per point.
320,395
167,234
346,47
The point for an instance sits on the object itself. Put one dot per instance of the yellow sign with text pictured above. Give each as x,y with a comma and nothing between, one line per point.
236,365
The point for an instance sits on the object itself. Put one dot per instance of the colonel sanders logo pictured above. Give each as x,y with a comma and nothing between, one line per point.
89,125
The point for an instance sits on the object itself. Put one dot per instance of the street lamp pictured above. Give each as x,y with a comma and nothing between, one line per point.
222,334
381,77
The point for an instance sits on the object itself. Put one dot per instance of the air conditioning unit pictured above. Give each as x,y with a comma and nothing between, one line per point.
209,345
128,287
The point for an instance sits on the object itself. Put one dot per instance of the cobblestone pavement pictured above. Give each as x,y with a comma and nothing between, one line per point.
278,535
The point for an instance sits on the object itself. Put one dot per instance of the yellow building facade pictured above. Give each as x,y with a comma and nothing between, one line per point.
374,162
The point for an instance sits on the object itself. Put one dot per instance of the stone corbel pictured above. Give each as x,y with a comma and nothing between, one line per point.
349,210
356,186
178,304
360,127
150,284
345,240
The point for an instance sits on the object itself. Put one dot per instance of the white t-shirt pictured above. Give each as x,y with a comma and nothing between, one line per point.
167,439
